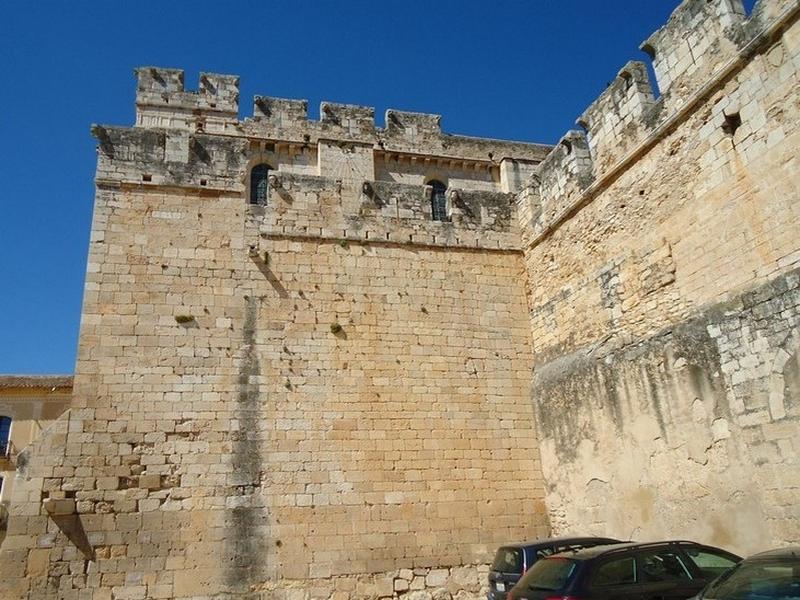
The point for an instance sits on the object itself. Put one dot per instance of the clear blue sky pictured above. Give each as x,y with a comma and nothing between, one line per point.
520,69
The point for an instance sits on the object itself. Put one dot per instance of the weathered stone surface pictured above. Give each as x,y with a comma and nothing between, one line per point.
664,304
327,393
437,578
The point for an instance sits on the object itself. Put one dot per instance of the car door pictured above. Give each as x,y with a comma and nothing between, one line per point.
612,578
665,574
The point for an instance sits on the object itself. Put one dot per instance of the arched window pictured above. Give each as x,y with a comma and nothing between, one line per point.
438,200
5,434
259,184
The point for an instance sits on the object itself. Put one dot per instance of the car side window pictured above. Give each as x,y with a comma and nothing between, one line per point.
544,553
663,565
711,564
615,572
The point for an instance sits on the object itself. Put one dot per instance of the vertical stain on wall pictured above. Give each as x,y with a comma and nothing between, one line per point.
247,517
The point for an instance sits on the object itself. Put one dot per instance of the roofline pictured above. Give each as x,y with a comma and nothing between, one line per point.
556,540
36,382
603,550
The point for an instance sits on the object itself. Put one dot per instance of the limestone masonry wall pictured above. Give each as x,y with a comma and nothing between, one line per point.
663,291
328,389
323,394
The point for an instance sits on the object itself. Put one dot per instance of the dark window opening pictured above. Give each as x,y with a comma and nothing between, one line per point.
259,184
5,435
438,200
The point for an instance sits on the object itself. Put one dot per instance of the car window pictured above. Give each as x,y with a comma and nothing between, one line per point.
712,564
549,574
545,552
662,565
615,572
508,560
778,579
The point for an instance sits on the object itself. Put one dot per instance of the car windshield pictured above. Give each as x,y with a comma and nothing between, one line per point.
549,574
777,579
508,560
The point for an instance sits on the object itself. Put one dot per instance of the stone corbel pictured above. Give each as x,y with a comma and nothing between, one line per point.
64,513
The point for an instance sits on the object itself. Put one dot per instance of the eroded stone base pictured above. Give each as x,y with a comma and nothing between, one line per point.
456,583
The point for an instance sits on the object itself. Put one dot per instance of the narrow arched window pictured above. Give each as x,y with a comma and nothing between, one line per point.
259,184
5,434
438,200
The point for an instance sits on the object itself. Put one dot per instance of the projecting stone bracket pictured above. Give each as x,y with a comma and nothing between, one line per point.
64,513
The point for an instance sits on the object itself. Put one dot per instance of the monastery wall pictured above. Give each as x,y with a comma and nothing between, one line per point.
325,394
662,256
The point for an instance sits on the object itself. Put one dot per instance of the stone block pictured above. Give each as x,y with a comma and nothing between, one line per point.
150,481
38,562
437,578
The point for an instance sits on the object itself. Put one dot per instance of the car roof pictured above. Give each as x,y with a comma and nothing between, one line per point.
547,542
790,552
595,551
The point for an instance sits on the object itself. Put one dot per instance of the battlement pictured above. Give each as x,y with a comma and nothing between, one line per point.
621,116
702,43
559,183
693,44
280,112
357,120
162,102
412,125
282,119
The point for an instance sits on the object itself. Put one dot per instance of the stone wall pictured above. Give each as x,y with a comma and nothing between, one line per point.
329,395
662,253
322,396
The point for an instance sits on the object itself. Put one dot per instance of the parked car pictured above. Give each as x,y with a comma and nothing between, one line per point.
773,575
512,560
654,571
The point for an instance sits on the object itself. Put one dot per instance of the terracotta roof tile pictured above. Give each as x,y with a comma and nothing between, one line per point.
35,381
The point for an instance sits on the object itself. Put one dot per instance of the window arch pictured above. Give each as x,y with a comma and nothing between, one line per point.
259,184
438,200
5,434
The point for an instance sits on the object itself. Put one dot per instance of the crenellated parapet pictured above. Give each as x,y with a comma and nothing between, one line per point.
700,47
695,42
280,113
765,11
561,180
339,176
621,117
162,101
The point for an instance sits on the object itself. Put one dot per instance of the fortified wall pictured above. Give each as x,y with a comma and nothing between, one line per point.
664,267
294,377
329,359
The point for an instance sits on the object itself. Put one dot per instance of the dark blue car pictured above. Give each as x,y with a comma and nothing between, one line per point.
670,570
512,560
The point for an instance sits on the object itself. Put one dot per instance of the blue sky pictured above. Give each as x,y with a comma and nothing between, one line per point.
505,69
